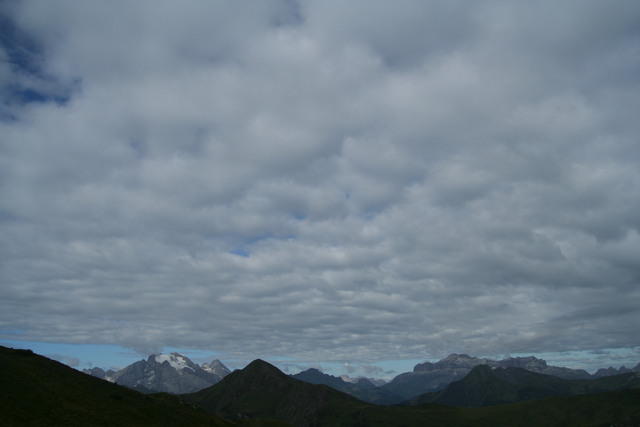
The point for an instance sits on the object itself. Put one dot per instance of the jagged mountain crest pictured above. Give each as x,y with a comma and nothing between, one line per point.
435,376
175,360
361,388
486,385
216,367
165,372
530,363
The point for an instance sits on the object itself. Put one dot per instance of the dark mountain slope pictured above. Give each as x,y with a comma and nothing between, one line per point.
261,390
619,409
36,391
363,389
432,377
485,386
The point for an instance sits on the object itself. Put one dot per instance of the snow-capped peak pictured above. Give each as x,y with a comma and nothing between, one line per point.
176,360
216,367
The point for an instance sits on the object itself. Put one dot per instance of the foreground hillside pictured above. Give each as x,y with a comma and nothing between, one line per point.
36,391
261,390
485,386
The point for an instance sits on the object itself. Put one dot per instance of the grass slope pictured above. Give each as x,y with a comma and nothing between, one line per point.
36,391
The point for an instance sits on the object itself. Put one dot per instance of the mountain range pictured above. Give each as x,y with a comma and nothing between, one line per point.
362,388
485,386
170,373
429,377
261,390
36,391
177,374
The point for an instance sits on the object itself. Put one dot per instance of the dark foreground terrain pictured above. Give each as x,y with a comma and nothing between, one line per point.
36,391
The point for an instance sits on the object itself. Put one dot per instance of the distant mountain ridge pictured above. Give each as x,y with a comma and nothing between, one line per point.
375,381
606,372
361,388
262,391
485,386
175,373
430,377
170,373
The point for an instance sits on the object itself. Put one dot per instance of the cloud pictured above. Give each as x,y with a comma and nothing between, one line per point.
324,181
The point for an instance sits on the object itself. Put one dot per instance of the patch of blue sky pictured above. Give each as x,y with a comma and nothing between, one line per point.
242,251
22,52
102,355
23,95
31,82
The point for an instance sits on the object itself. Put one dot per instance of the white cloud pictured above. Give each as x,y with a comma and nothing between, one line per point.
329,182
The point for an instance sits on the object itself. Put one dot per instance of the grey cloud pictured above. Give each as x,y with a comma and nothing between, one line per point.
326,182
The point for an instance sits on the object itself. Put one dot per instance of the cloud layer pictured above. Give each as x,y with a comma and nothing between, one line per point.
320,180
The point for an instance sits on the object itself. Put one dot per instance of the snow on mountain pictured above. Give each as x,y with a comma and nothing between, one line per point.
171,373
216,367
176,360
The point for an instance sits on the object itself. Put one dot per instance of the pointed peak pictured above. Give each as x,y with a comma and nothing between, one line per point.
217,363
216,367
261,369
259,364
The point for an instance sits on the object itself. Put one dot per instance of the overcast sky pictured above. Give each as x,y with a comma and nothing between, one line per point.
321,180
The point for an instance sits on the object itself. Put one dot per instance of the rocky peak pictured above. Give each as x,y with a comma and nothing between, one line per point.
175,360
96,372
216,367
610,371
530,363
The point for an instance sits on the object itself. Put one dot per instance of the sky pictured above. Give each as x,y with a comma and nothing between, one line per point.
359,185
